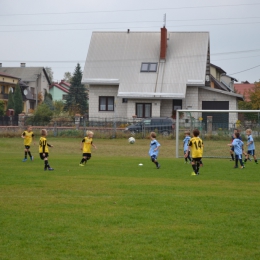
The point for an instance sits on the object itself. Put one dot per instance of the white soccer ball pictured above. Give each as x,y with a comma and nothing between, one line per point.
131,140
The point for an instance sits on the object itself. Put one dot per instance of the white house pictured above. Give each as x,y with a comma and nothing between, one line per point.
151,74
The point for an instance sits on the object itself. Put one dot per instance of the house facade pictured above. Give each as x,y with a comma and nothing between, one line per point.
35,79
59,90
151,74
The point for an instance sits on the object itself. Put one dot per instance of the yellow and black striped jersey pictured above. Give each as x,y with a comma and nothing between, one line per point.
196,145
87,143
27,137
43,145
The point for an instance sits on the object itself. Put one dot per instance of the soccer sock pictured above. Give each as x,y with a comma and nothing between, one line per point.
46,164
156,163
29,154
25,155
241,162
82,160
236,163
198,166
194,168
245,159
186,159
232,156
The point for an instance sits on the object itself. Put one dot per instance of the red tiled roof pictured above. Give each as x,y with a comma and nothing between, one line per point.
59,86
243,89
65,83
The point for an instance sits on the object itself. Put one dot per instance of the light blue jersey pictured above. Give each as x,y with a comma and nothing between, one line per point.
238,146
154,144
251,146
186,141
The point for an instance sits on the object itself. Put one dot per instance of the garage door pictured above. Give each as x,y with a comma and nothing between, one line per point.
219,120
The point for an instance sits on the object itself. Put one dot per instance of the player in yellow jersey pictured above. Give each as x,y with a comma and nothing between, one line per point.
44,150
86,144
27,135
196,147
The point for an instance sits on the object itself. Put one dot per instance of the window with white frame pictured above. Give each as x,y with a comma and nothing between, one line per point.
106,103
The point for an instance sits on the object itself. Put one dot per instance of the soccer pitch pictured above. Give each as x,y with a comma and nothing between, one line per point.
114,209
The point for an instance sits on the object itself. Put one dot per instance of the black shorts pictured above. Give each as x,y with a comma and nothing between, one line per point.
88,155
42,157
251,152
27,147
196,159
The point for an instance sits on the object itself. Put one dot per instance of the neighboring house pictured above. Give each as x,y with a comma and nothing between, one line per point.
59,91
35,78
151,74
220,80
9,83
244,88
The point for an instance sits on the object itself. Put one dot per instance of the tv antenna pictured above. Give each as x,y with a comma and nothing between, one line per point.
164,20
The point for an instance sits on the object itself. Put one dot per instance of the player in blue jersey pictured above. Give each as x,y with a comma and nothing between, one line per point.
154,149
238,150
232,148
250,146
186,141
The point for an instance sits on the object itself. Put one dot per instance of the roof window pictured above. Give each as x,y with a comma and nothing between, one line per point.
149,67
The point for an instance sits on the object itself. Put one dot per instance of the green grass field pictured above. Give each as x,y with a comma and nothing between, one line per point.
114,209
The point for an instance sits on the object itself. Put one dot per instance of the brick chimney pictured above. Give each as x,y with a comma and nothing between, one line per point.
163,43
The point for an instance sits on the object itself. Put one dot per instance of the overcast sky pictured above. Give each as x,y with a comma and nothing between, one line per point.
56,33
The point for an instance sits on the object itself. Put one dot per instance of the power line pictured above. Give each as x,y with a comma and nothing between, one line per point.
81,61
93,29
174,20
136,10
243,70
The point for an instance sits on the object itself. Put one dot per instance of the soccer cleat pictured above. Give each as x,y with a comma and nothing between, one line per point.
24,160
198,173
31,158
50,169
193,174
159,166
81,164
45,168
231,160
242,167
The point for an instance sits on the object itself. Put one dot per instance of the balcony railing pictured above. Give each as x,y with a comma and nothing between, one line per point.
3,96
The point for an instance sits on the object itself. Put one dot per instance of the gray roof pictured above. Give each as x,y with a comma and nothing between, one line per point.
114,58
26,74
239,96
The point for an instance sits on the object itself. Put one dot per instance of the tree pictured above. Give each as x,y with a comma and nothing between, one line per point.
253,104
76,101
43,114
48,100
10,102
2,107
18,100
58,107
67,76
49,73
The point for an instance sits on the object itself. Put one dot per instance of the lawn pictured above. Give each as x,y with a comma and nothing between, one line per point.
114,209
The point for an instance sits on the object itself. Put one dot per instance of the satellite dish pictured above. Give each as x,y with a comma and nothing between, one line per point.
11,89
25,92
207,78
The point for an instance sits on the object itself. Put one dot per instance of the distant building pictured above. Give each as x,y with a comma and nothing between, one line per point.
59,91
35,79
244,88
9,83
